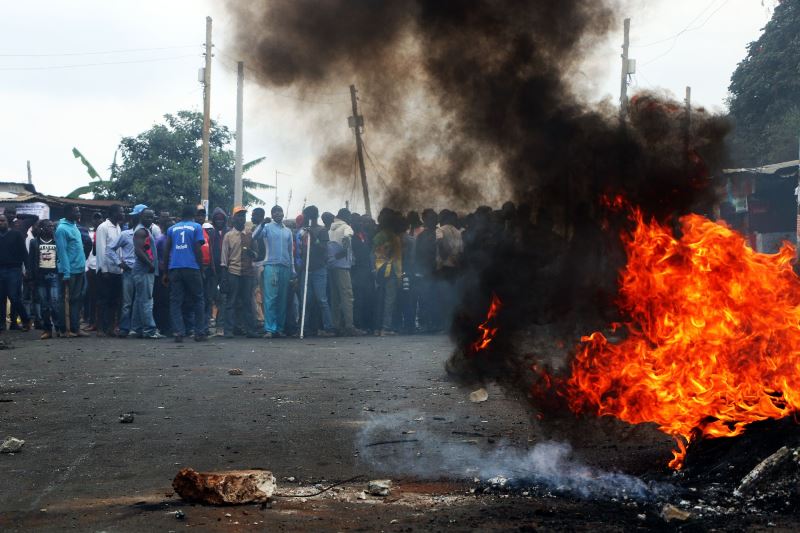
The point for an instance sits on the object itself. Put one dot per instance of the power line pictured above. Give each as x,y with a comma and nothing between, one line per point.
81,65
106,52
674,42
684,30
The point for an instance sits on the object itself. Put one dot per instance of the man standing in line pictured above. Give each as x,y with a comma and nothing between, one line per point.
109,274
12,256
42,270
278,272
257,219
207,270
237,267
123,253
72,268
219,223
341,247
315,238
183,259
145,271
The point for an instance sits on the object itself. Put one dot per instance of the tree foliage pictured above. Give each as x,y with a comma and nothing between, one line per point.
765,93
161,166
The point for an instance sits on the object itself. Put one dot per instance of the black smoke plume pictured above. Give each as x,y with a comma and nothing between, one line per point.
468,102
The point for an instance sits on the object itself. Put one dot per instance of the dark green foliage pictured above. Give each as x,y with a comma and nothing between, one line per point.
161,167
765,93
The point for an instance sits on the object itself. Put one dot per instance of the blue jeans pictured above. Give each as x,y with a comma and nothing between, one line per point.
48,290
275,294
127,302
186,283
318,288
11,288
142,314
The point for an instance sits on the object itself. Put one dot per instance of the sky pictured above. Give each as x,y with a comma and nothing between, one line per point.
85,73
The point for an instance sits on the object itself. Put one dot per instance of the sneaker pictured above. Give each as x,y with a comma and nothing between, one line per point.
72,335
200,338
46,335
386,333
268,335
154,335
123,333
325,333
134,334
100,334
178,339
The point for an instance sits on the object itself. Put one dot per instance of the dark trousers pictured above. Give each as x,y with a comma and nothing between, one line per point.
186,283
11,289
73,297
161,307
363,298
109,299
90,299
209,291
239,294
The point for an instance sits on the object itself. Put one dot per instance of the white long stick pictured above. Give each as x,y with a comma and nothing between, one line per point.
305,283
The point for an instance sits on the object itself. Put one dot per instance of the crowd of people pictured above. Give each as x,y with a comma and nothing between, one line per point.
148,275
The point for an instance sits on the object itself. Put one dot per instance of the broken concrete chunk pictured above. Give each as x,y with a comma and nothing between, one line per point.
11,445
224,488
235,372
669,513
478,396
762,469
380,487
126,418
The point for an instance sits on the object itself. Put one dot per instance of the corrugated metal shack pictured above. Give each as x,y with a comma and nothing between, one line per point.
762,204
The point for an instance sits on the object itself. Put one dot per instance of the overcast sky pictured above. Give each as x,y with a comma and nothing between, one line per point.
85,73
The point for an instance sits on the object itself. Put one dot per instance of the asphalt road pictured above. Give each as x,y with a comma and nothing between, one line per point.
317,410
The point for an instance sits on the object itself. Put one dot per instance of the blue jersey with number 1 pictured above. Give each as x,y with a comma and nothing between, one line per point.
183,236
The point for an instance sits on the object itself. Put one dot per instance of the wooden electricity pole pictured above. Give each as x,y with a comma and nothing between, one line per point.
623,90
30,176
357,122
237,172
206,117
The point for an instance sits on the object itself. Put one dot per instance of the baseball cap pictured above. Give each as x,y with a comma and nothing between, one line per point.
238,209
138,208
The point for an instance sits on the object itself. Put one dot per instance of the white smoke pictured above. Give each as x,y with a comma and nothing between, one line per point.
403,444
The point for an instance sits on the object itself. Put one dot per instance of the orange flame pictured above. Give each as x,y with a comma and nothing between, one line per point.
487,331
714,336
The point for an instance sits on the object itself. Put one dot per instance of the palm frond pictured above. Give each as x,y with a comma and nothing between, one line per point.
251,199
86,189
255,185
250,164
89,168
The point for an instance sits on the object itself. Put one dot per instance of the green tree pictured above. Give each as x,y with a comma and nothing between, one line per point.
161,167
765,93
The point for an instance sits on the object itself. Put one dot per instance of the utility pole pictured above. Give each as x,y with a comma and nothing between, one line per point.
237,173
276,187
206,117
623,90
357,123
30,177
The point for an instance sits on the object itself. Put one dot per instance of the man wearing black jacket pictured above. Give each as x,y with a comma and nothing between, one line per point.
12,256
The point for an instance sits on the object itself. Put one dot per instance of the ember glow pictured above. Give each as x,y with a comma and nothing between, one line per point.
713,336
487,329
